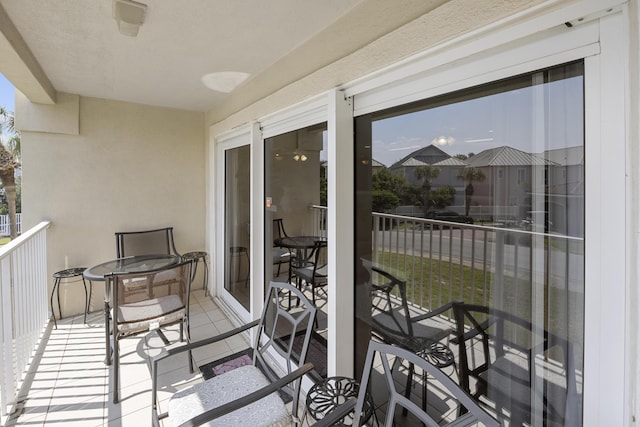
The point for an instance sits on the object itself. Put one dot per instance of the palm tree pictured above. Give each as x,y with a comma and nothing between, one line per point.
8,164
469,175
427,173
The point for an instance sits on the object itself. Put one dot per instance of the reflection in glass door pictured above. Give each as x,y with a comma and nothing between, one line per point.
295,222
470,240
237,223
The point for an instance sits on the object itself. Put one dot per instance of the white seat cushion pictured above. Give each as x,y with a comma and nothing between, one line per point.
137,316
232,385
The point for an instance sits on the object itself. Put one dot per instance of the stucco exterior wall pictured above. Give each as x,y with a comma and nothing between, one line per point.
131,167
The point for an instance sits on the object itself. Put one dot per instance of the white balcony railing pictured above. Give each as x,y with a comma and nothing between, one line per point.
24,310
442,262
4,224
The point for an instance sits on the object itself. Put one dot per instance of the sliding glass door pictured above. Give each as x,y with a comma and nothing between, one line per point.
295,222
470,239
237,223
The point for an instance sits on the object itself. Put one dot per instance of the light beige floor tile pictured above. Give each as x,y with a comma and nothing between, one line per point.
73,386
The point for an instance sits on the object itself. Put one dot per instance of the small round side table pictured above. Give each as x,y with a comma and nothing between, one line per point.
196,257
70,273
328,394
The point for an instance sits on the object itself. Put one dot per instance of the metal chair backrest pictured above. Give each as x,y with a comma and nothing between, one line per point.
278,229
509,359
146,242
142,298
388,354
285,331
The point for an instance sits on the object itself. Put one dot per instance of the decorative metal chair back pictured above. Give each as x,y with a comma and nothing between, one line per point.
517,365
147,242
390,356
278,229
280,255
244,394
285,331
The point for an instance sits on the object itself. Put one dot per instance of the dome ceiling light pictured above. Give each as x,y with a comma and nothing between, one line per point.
224,81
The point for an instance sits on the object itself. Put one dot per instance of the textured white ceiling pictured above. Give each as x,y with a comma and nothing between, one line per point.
77,44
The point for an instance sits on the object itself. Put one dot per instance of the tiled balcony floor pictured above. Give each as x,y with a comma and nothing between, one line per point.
71,386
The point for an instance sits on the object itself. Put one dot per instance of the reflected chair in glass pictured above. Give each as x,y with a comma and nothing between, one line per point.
515,364
146,301
242,390
280,255
378,365
422,334
146,242
311,271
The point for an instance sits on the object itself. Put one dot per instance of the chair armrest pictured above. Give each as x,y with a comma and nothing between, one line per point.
393,281
337,414
206,341
248,399
189,347
436,312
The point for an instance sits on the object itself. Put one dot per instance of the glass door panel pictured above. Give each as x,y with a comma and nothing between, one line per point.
295,221
470,240
237,224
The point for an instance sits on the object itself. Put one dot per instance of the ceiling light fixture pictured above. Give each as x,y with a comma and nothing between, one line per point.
129,15
224,81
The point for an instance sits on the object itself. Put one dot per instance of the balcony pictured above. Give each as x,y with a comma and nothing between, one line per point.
59,375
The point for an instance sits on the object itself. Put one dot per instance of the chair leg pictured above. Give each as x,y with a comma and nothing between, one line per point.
246,279
107,333
189,355
116,370
206,276
86,300
56,283
407,390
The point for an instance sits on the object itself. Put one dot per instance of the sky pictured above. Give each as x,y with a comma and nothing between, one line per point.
500,118
7,94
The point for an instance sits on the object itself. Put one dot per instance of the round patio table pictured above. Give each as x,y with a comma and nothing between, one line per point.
131,264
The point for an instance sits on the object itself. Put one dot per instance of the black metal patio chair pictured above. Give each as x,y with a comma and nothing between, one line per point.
145,242
243,389
393,323
380,359
146,301
520,367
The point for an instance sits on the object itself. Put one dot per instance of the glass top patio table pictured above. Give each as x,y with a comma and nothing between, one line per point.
132,264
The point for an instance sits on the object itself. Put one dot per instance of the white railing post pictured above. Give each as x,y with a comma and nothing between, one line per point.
7,382
25,309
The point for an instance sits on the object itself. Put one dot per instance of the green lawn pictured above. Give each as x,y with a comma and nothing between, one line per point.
432,283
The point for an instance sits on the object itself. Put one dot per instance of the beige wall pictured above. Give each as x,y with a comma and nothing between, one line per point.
131,167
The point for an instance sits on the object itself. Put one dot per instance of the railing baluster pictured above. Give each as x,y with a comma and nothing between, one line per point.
494,256
473,265
24,303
